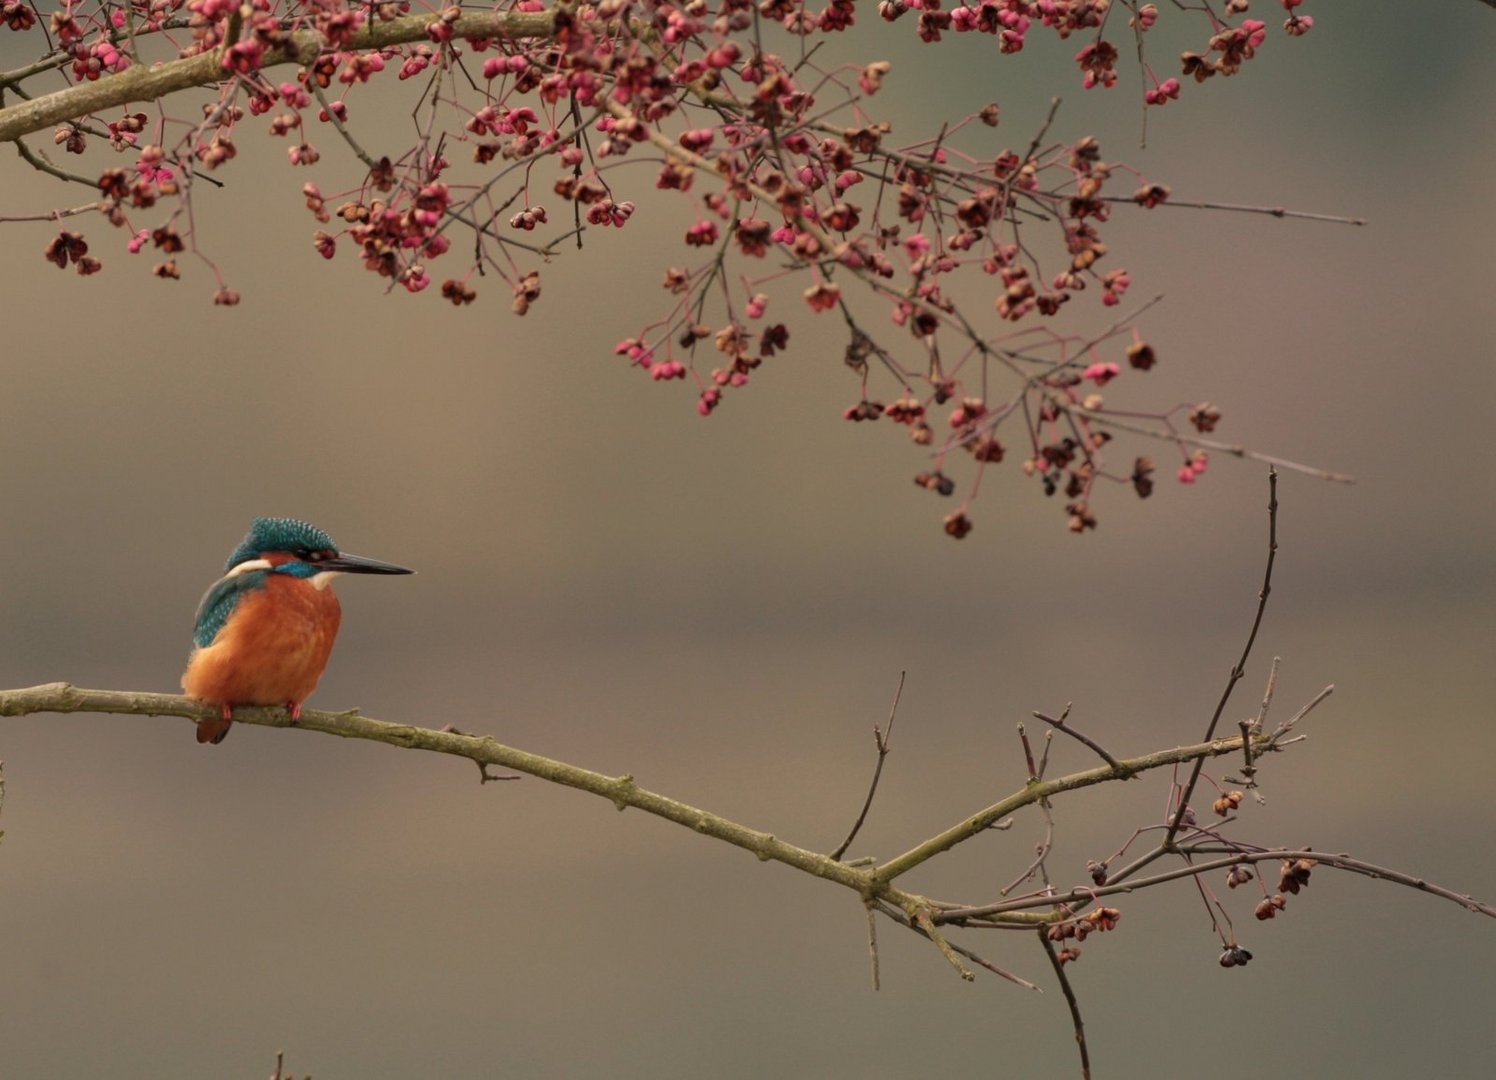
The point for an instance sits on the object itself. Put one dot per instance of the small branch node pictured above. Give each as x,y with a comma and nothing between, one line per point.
922,917
486,777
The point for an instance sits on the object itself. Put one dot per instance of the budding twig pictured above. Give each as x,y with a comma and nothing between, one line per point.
1028,752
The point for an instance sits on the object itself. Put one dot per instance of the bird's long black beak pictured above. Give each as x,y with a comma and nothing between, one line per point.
357,564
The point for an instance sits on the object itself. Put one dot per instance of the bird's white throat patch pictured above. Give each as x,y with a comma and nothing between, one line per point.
324,579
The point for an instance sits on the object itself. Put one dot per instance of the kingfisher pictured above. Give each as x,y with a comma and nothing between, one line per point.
265,629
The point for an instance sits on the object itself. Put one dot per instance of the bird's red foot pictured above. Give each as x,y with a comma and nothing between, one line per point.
216,730
294,708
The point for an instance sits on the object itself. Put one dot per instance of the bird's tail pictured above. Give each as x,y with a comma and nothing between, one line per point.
213,731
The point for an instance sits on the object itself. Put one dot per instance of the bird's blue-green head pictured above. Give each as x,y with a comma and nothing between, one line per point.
293,547
280,535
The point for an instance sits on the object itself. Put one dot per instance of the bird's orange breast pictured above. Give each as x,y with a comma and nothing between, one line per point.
273,648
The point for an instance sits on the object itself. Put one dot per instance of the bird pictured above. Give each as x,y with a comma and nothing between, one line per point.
265,629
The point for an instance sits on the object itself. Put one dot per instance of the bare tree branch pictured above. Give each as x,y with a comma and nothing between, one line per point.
873,884
622,791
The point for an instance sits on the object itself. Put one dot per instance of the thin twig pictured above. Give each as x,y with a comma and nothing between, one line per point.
1041,851
880,739
1137,864
1271,211
1248,769
1075,1017
1339,862
1044,757
927,927
1241,665
39,161
1267,694
1235,857
333,118
975,824
1054,108
1213,905
903,920
53,215
1058,723
1028,752
1103,417
1275,739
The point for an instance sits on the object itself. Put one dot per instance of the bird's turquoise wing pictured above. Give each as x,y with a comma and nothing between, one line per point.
218,604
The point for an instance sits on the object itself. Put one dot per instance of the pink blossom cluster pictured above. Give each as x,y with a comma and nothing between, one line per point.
793,187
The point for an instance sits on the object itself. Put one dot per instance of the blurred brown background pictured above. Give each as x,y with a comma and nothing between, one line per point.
723,608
